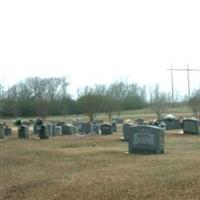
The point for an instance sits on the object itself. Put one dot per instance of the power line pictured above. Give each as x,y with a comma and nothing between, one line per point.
188,70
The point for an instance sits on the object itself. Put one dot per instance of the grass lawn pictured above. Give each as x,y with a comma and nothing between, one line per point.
97,168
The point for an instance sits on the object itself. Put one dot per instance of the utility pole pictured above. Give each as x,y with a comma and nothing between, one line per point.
188,78
172,83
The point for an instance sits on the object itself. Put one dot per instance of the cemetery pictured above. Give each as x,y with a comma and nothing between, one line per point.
91,155
99,100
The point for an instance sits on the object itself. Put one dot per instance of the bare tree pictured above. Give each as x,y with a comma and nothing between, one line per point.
158,102
194,103
88,101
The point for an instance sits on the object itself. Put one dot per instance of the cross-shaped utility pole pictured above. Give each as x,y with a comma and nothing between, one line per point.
188,78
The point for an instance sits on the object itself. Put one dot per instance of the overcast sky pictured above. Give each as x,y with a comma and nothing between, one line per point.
91,41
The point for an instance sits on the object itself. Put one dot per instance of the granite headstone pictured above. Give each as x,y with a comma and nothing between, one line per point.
23,131
146,139
106,129
2,131
191,126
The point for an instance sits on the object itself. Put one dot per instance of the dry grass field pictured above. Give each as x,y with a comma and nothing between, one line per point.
97,168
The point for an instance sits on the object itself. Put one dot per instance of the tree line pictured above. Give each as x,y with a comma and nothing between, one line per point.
48,96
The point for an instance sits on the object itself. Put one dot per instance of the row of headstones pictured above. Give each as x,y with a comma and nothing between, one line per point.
4,131
150,139
98,128
86,128
169,124
45,131
190,125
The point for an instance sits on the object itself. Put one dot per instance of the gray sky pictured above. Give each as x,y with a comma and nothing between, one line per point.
91,41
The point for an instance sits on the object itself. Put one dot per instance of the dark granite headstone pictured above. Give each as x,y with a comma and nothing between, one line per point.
23,131
171,123
8,131
86,128
125,129
2,131
37,126
106,129
44,132
114,126
67,129
191,126
146,139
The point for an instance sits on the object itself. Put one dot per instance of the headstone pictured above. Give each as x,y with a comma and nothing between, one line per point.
8,131
191,126
106,129
114,126
57,130
125,129
44,132
97,128
37,126
146,139
36,129
23,131
67,129
2,131
86,128
50,129
171,123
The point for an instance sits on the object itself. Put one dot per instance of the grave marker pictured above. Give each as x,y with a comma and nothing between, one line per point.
106,129
2,131
146,139
125,129
23,131
67,129
44,132
8,131
114,126
191,126
171,123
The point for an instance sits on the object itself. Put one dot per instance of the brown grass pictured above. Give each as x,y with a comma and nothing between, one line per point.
97,168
